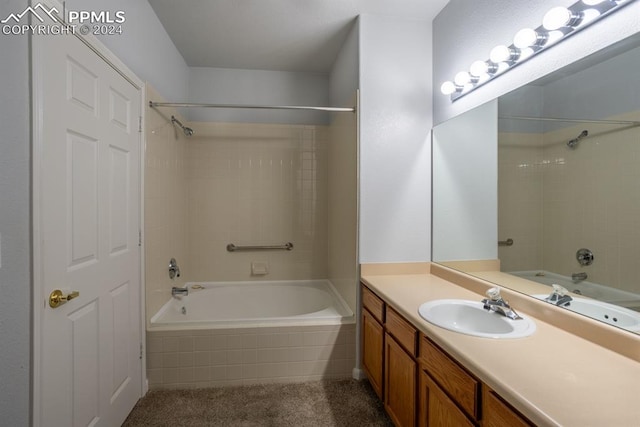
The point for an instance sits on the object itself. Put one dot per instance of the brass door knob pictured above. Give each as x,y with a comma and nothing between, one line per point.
57,298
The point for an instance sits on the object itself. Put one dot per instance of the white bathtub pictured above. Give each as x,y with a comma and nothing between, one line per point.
586,288
254,304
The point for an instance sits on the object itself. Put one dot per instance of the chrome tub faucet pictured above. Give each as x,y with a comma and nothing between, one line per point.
578,277
179,292
174,270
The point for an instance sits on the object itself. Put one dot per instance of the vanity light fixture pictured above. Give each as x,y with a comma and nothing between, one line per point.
557,24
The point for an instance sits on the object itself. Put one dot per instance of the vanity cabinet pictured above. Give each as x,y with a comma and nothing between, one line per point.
419,383
400,369
373,339
389,346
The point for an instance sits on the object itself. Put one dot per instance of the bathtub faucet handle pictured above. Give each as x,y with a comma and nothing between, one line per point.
174,270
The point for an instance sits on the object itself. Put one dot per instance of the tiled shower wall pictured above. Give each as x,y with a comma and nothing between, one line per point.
165,203
256,184
586,197
520,167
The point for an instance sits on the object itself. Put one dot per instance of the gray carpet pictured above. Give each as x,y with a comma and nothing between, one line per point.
318,404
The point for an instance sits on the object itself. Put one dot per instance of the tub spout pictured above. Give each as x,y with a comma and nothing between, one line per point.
179,292
578,277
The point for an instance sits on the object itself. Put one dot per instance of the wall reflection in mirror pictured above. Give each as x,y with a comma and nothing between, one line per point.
566,207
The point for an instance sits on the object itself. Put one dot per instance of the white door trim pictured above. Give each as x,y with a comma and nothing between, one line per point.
37,72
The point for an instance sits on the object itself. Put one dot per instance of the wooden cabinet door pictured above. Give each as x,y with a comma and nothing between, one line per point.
496,413
436,409
372,350
400,384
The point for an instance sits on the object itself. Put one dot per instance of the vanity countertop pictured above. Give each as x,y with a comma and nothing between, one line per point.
553,377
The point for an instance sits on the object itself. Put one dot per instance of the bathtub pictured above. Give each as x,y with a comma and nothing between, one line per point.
583,287
255,304
239,333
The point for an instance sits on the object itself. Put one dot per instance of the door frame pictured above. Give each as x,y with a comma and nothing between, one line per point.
37,71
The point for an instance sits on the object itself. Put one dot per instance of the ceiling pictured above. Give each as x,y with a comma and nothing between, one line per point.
283,35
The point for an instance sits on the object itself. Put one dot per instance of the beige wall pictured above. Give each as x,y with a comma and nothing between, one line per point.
164,203
590,198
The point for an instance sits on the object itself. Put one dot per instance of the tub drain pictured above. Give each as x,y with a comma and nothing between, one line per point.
184,310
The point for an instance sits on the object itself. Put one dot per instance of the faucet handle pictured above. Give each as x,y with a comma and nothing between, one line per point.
559,290
493,294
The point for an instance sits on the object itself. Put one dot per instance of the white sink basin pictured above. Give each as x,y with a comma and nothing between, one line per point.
608,313
470,318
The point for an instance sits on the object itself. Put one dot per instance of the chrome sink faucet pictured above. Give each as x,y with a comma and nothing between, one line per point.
494,302
559,296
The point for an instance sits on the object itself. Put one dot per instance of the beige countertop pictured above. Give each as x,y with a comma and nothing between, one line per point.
553,377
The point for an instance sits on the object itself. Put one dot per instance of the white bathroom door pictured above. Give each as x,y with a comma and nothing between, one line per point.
87,229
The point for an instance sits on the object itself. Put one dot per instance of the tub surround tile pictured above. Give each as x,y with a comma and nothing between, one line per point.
282,354
186,344
186,359
202,343
202,374
170,344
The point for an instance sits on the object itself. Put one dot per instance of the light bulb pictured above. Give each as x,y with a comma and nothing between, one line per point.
559,17
479,68
462,78
448,88
502,53
528,37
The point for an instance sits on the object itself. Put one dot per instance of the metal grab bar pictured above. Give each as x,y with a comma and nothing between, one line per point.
233,248
508,242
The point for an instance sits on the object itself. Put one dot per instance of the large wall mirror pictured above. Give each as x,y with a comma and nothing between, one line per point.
541,187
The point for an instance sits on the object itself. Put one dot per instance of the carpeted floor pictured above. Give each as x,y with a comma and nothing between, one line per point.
318,404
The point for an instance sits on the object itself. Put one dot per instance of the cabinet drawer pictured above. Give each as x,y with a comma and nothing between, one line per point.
497,413
463,388
371,302
403,331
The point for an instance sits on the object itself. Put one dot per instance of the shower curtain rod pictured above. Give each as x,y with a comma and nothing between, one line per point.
263,107
556,119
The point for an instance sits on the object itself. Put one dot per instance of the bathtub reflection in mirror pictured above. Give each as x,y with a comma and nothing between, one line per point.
568,187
